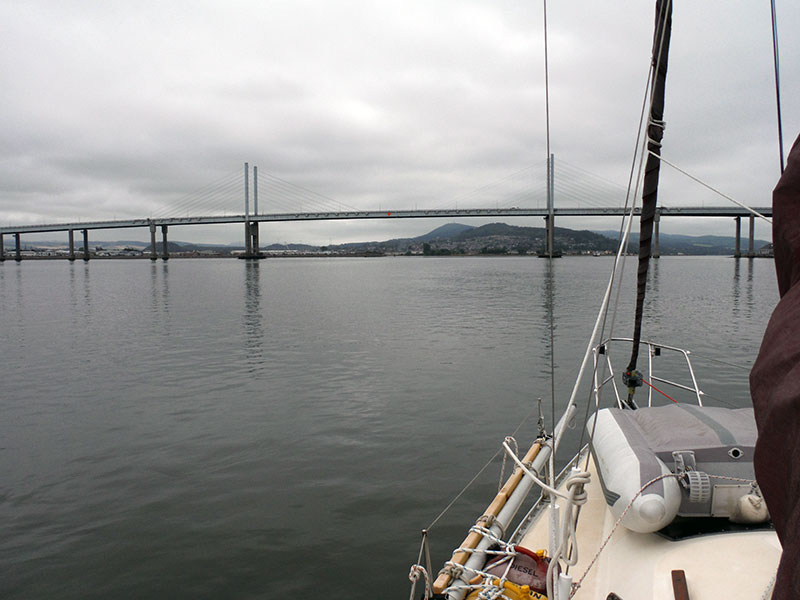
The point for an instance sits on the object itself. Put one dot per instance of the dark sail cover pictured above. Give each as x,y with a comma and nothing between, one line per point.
775,384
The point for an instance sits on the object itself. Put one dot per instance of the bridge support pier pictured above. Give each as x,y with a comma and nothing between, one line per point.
252,243
549,225
750,250
164,245
252,249
656,223
2,249
71,245
248,240
86,245
737,253
17,249
255,240
153,254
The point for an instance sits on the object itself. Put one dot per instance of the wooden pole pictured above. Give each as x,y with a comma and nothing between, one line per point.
472,540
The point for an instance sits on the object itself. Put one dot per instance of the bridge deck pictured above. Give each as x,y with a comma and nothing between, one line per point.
718,211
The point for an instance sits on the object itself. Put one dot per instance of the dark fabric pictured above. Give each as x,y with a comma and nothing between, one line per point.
775,384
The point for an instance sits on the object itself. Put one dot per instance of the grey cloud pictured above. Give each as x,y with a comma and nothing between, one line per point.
111,109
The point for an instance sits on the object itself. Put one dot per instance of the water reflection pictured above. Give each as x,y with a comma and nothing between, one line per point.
252,317
87,289
159,278
547,336
18,277
73,288
737,284
654,279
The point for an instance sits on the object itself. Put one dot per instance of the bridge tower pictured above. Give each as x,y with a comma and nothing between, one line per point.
85,245
550,218
254,242
251,242
153,253
248,247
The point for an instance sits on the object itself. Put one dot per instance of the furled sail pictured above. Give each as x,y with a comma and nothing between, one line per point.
775,384
655,132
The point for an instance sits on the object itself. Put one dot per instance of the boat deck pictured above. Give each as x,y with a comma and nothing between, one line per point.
639,565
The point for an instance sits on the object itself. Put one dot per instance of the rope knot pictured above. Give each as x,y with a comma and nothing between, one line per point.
487,520
453,570
417,571
578,480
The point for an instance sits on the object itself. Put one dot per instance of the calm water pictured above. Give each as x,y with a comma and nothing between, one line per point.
222,429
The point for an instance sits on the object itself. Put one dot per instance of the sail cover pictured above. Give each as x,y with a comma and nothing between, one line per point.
775,384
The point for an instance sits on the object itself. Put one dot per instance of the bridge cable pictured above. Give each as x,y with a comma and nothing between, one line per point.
191,200
312,194
483,191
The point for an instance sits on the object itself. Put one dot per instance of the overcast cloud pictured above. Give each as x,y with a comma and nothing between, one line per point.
123,109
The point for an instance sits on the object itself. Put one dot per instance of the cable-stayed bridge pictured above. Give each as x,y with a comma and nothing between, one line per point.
522,194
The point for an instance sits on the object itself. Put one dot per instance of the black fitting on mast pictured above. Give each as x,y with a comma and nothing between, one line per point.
655,133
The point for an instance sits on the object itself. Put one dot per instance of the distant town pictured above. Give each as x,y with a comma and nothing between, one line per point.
453,239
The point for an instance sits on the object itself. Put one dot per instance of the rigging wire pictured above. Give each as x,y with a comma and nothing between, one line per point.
550,237
775,57
716,191
478,474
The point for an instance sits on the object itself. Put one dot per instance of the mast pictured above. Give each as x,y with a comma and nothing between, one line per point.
551,163
655,133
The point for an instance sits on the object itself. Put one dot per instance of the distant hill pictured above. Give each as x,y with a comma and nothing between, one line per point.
670,243
499,238
533,238
493,238
444,232
190,247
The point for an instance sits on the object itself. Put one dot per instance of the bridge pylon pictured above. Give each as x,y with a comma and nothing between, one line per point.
251,241
153,254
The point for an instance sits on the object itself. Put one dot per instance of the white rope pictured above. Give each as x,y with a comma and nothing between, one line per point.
577,585
512,440
529,473
457,571
414,575
716,191
577,498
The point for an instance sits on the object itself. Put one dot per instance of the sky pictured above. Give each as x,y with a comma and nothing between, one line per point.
135,109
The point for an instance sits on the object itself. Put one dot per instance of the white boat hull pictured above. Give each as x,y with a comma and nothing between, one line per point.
636,566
